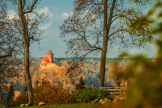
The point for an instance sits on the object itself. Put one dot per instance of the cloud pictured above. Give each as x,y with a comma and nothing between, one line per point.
66,15
11,14
89,11
98,21
46,26
45,11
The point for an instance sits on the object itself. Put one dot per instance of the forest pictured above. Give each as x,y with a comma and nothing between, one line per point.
86,77
89,71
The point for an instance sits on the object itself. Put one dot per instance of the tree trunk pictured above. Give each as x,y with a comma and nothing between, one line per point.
106,29
104,48
27,74
25,41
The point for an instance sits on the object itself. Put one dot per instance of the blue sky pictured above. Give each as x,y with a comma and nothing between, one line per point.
57,11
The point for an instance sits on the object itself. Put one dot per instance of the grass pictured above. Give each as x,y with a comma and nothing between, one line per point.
77,105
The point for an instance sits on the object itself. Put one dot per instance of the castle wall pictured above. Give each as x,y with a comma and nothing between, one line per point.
52,66
50,57
44,62
47,62
43,66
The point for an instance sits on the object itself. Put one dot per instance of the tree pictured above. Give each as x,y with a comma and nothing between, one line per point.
10,46
80,85
30,33
89,33
10,95
150,75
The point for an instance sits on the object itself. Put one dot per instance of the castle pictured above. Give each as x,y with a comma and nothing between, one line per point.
47,62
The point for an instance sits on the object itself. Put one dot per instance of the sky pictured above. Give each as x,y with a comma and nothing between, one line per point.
57,10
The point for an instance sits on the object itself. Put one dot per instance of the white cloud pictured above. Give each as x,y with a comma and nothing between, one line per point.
45,11
89,11
11,14
45,26
66,15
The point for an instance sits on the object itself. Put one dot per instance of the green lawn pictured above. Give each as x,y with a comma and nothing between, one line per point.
80,105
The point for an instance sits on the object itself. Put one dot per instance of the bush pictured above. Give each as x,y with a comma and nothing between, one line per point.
88,95
21,99
45,92
102,94
50,94
73,99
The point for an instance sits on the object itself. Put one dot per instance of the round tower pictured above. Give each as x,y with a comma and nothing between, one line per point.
49,54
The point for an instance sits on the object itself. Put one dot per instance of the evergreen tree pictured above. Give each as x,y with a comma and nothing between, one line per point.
10,95
80,85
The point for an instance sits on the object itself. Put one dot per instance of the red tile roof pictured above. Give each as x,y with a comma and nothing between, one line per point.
45,59
49,52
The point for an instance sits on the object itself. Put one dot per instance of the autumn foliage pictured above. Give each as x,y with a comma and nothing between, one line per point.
44,91
50,94
19,99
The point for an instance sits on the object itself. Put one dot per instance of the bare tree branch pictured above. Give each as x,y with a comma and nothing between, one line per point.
31,8
24,2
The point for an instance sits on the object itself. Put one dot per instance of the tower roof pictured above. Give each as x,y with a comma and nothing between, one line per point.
49,52
45,59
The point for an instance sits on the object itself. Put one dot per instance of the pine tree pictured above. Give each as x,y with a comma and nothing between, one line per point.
10,95
80,85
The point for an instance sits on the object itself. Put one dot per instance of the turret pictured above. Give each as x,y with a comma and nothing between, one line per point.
49,54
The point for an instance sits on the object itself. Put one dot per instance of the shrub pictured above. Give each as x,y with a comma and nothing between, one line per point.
88,95
73,99
44,91
21,99
102,94
50,94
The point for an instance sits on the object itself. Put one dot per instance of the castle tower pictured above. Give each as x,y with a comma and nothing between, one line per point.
49,54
